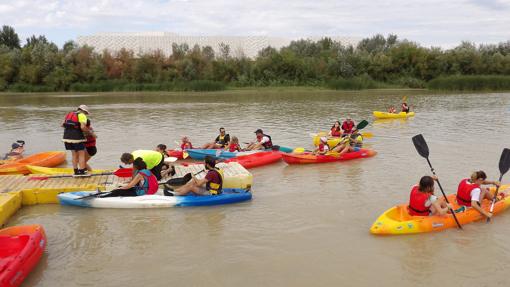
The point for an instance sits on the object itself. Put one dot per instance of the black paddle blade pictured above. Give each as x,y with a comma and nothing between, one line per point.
362,124
421,145
179,180
504,161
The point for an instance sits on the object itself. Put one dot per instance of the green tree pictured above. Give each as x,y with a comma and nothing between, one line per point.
9,38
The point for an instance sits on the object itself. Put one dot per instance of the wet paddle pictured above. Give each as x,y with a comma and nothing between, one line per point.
121,172
504,165
423,149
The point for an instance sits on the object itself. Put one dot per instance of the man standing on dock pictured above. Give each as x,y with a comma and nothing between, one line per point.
75,124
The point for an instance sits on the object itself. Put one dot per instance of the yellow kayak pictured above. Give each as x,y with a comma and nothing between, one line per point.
385,115
48,170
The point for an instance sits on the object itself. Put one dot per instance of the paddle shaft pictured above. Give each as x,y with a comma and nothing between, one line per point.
494,198
444,195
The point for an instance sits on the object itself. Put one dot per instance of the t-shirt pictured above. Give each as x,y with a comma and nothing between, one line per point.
475,194
150,157
264,140
213,176
431,200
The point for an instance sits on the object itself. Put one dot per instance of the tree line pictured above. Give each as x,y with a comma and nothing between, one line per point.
378,61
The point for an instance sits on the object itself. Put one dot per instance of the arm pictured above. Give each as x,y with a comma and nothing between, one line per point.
496,183
475,205
133,182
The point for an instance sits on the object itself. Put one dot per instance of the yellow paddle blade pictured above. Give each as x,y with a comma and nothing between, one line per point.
367,135
185,155
404,99
299,150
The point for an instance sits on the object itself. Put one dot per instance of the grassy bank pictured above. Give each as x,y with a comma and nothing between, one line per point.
471,83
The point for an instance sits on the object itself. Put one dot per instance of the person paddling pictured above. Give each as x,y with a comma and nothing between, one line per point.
75,125
405,108
353,142
262,141
153,159
143,182
470,192
17,150
323,147
220,142
423,202
347,126
90,145
392,110
335,130
211,184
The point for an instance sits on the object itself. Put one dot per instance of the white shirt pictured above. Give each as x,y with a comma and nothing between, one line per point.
475,194
431,200
264,140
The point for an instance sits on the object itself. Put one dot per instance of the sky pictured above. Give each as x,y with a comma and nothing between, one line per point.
442,23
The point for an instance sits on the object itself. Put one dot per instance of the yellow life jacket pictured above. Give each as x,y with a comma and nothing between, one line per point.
215,188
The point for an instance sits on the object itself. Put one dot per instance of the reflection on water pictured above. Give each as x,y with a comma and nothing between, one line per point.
306,225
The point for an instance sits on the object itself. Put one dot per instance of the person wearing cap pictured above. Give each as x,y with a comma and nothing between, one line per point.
323,147
211,184
17,150
262,141
153,159
347,126
75,127
221,141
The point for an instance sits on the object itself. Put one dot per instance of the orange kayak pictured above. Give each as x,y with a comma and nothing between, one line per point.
304,158
21,247
397,220
46,159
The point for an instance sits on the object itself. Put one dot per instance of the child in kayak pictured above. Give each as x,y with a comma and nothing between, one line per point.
17,150
323,147
143,183
405,108
211,184
423,202
335,130
233,145
186,143
392,110
470,192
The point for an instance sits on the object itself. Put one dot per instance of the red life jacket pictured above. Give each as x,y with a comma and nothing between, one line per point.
151,183
233,147
322,146
405,108
464,192
187,145
335,132
347,127
91,141
417,202
266,145
71,121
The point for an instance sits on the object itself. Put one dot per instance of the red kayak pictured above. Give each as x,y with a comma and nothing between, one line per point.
21,247
174,153
257,159
303,158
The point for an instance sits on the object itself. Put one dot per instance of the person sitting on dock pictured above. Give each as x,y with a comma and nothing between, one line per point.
470,192
423,202
211,184
262,141
335,131
347,126
143,182
153,159
221,141
17,150
323,147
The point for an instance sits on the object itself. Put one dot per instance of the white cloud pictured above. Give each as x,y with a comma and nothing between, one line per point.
431,22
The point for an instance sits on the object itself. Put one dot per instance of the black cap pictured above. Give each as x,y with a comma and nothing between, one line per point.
15,145
259,131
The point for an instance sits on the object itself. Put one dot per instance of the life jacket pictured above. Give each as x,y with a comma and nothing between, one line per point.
71,121
417,203
266,145
213,187
335,132
405,108
150,183
358,138
322,146
91,141
347,127
72,128
185,146
464,192
223,140
233,147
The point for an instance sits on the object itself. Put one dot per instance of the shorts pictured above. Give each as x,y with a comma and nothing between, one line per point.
91,150
356,148
157,169
75,146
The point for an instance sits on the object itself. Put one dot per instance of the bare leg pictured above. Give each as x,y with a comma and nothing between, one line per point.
81,159
74,155
87,158
338,148
346,149
191,186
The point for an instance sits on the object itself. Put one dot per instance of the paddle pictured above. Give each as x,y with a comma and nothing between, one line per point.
423,150
504,165
181,180
121,172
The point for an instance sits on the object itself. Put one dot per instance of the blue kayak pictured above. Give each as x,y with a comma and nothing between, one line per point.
229,195
200,154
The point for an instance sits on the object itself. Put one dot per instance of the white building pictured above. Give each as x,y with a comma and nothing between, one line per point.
151,41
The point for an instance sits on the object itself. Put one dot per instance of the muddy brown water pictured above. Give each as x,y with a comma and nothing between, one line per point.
306,225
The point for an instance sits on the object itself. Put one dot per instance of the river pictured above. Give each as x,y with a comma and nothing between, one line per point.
306,225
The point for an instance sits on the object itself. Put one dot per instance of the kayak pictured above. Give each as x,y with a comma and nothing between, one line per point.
56,170
307,157
175,153
385,115
397,220
45,159
229,195
257,159
21,247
